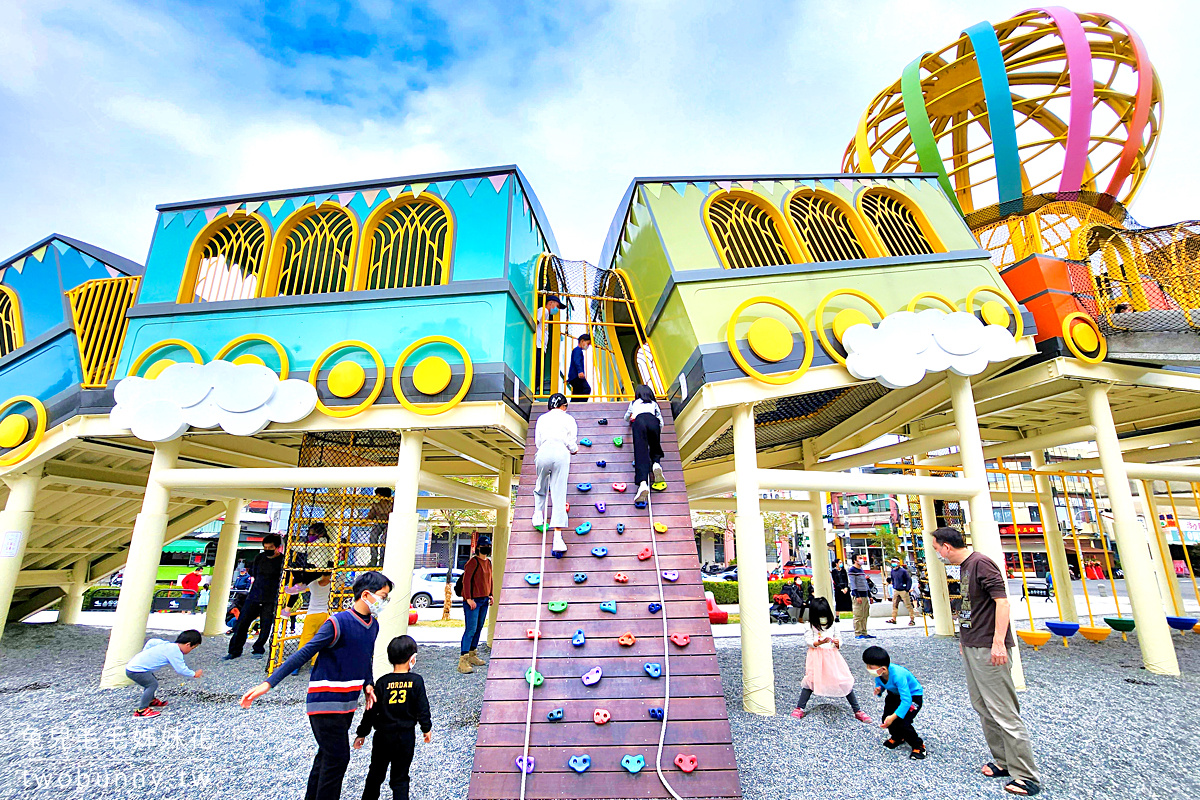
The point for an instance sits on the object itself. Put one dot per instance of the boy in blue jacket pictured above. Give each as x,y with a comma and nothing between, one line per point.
154,656
904,699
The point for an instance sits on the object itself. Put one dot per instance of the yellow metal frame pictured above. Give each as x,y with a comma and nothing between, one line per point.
731,340
98,309
343,412
269,285
862,233
783,232
191,270
20,453
11,323
941,298
234,343
926,230
429,411
366,246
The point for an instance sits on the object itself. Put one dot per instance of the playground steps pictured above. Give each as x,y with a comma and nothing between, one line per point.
697,724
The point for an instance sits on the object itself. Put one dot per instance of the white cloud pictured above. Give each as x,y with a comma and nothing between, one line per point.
241,399
907,345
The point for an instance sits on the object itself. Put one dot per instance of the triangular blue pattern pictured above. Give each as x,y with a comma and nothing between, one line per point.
444,187
188,216
470,184
91,262
61,247
680,188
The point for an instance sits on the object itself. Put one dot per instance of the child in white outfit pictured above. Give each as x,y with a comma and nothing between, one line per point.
556,436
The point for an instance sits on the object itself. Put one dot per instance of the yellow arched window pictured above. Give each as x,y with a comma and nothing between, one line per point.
12,335
227,260
749,232
409,242
313,253
828,228
900,228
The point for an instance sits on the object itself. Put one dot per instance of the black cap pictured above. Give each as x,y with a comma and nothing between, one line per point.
556,299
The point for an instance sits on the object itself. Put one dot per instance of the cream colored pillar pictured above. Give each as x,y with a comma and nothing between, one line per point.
71,605
985,534
141,569
500,544
939,588
15,523
1059,568
1168,591
758,671
822,578
400,551
222,572
1154,637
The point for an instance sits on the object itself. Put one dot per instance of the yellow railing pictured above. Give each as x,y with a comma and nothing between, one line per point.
98,310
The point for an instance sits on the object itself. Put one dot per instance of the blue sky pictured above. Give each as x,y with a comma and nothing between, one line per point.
112,106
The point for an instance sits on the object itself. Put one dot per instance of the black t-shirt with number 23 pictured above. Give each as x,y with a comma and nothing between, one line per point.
400,702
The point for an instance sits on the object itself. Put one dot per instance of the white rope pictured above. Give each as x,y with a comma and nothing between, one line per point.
662,732
537,636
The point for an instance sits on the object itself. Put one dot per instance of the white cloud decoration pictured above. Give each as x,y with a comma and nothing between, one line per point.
241,399
906,345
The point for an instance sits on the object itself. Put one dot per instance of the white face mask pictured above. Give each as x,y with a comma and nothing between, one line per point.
376,606
942,558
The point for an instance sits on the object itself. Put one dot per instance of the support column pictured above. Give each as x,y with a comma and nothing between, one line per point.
222,572
822,578
15,523
1165,593
400,551
500,543
985,534
1154,637
141,570
1059,568
939,588
72,604
758,671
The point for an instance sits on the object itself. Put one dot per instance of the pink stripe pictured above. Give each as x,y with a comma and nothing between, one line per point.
1141,108
1082,88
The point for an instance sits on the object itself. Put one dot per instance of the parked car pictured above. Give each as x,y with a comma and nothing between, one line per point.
731,575
787,573
429,588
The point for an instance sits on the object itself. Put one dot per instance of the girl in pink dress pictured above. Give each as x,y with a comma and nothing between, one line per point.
825,671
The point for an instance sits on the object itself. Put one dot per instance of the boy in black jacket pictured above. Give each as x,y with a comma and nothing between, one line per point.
400,704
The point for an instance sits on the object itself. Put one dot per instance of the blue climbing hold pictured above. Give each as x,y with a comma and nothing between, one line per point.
580,577
655,608
654,670
579,763
601,508
583,487
578,639
586,442
639,503
584,528
670,575
525,764
656,713
620,527
602,421
633,764
533,579
555,715
609,606
601,464
599,552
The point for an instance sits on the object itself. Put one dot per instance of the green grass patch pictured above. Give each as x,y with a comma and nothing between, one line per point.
441,623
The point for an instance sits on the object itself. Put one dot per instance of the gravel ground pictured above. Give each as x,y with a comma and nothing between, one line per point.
1102,727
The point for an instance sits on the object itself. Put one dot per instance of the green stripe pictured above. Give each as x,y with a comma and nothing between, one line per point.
920,129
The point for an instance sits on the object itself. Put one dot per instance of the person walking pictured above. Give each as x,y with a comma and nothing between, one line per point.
557,437
542,367
645,421
841,587
901,592
860,592
266,570
985,637
378,513
477,595
577,372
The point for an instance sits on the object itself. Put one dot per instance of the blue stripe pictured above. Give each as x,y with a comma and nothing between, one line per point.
998,95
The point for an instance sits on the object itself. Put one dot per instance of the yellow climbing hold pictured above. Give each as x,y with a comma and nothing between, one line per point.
845,319
660,527
995,313
13,430
346,378
431,375
157,367
769,339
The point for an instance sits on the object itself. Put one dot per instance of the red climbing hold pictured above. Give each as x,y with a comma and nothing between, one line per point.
621,577
685,762
620,487
645,554
627,639
530,633
600,716
681,639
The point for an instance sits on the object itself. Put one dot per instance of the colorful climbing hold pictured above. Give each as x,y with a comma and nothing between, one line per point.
580,577
621,577
602,464
656,713
681,639
583,529
627,639
618,441
592,676
579,763
555,715
655,608
541,528
601,508
586,442
654,670
620,487
525,763
645,554
533,579
599,552
601,716
583,487
533,677
557,606
530,633
578,639
620,527
602,421
660,527
687,763
659,486
671,575
633,764
609,606
639,503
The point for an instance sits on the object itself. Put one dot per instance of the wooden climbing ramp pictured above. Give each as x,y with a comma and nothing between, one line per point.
695,725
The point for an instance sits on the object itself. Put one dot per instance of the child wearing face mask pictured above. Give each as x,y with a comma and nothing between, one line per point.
403,704
825,671
904,699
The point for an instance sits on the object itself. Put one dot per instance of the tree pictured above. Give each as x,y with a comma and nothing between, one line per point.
886,540
453,520
724,522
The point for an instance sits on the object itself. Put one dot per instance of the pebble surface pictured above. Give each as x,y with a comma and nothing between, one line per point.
1102,726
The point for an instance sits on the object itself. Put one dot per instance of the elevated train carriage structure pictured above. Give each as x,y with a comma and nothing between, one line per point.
969,282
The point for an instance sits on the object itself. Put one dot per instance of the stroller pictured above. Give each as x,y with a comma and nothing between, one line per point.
791,605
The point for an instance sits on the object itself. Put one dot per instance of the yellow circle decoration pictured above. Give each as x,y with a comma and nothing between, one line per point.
846,319
429,411
1077,339
994,313
431,375
13,430
348,411
157,368
249,358
1013,308
154,348
346,378
20,454
825,343
769,339
245,359
731,340
912,304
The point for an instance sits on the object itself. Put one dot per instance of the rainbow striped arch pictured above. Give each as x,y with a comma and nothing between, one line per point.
1047,101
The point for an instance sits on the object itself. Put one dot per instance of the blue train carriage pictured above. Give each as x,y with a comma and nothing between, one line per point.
405,302
748,287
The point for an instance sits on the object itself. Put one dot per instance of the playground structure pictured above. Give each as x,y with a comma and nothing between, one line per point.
307,346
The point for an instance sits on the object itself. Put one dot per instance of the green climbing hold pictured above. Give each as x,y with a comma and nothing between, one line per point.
533,678
618,441
558,606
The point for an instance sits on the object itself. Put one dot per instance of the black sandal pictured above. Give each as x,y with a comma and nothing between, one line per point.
996,772
891,744
918,753
1022,787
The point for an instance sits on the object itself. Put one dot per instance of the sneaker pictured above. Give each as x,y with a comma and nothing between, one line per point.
861,716
867,636
259,656
862,636
538,521
798,713
658,473
890,621
891,744
147,712
230,656
642,493
910,624
559,548
918,753
156,703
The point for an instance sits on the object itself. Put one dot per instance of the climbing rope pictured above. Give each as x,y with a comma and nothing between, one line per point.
662,731
537,637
